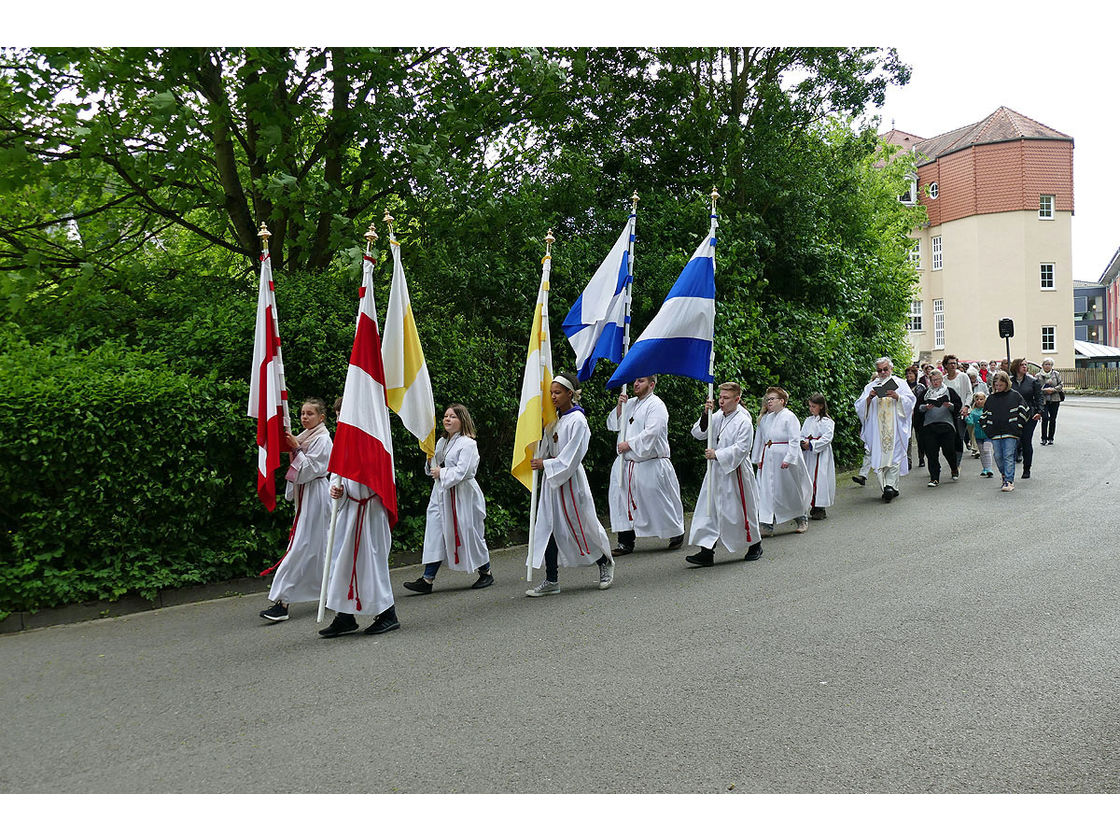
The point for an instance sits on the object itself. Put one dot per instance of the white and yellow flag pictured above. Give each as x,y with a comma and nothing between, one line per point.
536,410
408,388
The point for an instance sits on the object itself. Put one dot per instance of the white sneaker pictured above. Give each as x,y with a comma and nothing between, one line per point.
606,575
545,587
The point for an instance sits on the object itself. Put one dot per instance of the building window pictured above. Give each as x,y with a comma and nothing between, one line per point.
916,254
931,190
1048,339
1046,276
914,322
1081,332
939,324
1046,207
935,249
911,190
1080,305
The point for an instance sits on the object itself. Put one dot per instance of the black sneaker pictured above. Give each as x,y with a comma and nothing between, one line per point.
888,494
675,542
859,479
1026,473
420,585
343,623
754,552
384,623
703,557
277,612
484,580
621,550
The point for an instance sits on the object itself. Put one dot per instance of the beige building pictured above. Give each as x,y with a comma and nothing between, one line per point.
999,198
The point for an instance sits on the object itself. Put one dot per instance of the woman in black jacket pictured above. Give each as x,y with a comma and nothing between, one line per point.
1005,415
939,407
1030,389
916,418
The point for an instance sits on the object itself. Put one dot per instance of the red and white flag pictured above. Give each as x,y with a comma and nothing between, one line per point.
268,395
363,445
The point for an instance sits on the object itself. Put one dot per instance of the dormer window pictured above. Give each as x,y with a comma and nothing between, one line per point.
911,190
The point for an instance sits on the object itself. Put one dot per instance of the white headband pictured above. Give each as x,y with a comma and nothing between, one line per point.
563,380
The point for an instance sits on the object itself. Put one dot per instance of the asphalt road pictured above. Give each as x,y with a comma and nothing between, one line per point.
957,640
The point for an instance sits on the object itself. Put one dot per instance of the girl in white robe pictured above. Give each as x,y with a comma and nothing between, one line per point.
645,496
784,487
299,572
816,443
568,531
454,532
727,509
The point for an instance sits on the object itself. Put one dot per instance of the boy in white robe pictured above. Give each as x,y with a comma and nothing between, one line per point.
816,442
299,572
359,576
454,528
568,532
644,495
886,426
784,486
727,509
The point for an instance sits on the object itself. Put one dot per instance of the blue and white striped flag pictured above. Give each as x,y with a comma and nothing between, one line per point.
680,336
596,324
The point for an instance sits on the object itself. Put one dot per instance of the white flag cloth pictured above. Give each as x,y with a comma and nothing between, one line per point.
596,324
268,396
409,387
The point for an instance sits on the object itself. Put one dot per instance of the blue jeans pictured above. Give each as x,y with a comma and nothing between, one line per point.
1004,450
431,568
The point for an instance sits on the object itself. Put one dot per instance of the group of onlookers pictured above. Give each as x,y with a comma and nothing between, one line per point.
990,410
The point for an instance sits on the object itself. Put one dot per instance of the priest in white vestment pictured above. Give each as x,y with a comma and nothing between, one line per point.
886,426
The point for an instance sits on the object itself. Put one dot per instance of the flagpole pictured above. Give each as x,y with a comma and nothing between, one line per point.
548,240
711,376
336,481
286,419
626,319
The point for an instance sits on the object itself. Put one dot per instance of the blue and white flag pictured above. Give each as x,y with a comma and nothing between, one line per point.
680,336
596,324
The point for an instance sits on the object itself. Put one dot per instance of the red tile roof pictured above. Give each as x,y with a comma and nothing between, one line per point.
1001,126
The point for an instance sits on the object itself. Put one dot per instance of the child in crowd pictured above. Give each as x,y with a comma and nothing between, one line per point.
982,442
784,486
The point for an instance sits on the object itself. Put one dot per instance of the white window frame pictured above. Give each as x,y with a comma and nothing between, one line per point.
914,321
910,197
938,323
1049,341
916,254
1046,276
1046,207
935,253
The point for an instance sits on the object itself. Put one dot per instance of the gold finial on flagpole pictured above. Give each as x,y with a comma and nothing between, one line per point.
371,235
715,197
264,235
389,223
548,240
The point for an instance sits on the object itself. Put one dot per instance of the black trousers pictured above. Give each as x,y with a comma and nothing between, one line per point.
1026,443
1049,419
552,564
943,438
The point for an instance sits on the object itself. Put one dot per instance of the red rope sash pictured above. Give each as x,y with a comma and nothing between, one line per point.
816,467
769,443
291,533
631,505
352,594
455,522
743,500
583,549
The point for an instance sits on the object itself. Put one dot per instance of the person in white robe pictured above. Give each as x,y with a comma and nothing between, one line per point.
299,571
644,494
886,423
359,574
816,443
727,508
454,530
567,531
784,486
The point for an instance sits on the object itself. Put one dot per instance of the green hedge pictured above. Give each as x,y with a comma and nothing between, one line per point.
122,476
